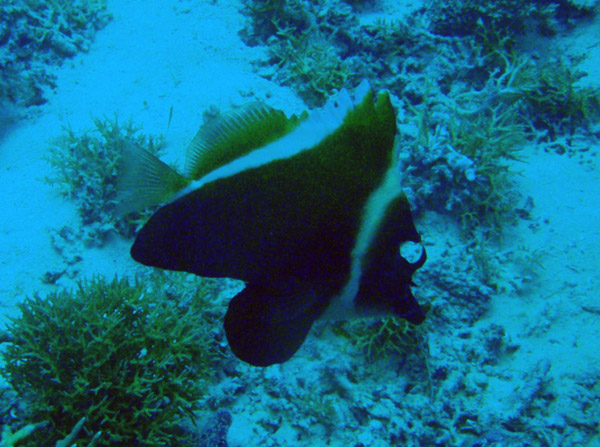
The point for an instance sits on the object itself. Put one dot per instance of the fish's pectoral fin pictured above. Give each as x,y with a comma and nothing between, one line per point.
144,180
266,325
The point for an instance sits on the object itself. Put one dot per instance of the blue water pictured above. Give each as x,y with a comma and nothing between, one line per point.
497,112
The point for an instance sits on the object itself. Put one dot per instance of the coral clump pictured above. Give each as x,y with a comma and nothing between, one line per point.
10,438
122,355
308,44
36,34
380,338
85,167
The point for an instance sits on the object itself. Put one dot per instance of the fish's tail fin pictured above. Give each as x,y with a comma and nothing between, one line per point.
143,180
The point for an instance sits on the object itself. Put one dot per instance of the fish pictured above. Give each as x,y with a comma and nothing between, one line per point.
307,210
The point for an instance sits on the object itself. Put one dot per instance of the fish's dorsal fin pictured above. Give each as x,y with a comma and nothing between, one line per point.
233,135
143,180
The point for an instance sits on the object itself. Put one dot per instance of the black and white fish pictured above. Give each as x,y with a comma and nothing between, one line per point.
307,210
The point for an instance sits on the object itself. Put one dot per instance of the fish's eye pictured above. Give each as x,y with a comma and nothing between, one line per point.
411,251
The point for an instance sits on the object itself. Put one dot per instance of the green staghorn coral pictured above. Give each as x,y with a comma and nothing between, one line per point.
85,170
307,44
555,102
380,338
130,360
10,438
466,141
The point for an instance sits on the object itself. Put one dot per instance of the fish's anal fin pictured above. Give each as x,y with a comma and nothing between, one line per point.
266,325
143,180
232,135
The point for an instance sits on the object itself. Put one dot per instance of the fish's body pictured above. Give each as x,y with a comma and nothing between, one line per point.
307,211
